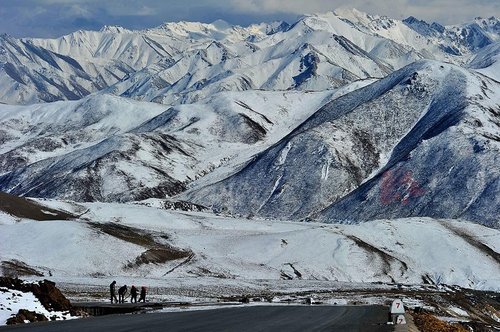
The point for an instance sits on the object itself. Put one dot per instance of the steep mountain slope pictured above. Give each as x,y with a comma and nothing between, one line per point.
446,166
109,148
487,61
422,109
476,34
30,74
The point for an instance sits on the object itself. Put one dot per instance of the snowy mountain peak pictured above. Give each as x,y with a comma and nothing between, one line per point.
421,26
195,30
114,29
276,26
358,17
491,25
492,20
347,12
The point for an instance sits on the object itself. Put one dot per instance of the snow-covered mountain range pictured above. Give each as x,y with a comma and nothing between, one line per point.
186,61
338,117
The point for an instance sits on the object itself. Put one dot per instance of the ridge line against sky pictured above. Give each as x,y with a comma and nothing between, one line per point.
54,18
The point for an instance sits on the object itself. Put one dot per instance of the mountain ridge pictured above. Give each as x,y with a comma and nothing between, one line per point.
114,54
249,191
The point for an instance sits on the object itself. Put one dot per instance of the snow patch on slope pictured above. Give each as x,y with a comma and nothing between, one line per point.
11,301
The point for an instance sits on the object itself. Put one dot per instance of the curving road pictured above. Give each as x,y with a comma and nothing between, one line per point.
245,318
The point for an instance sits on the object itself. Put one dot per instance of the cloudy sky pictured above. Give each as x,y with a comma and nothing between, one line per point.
51,18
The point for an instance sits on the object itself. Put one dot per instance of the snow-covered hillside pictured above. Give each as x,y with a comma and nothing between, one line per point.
487,61
11,301
110,148
412,138
156,247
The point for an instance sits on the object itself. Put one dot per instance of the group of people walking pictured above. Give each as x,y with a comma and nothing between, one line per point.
123,290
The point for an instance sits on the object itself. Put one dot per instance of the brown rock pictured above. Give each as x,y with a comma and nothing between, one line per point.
45,291
24,315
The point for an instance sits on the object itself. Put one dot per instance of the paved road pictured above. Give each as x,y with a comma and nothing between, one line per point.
245,318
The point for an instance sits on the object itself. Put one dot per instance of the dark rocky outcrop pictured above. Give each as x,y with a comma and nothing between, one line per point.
45,291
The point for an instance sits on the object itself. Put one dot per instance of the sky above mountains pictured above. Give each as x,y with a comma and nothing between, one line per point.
52,18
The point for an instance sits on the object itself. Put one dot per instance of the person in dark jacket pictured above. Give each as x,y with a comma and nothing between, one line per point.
112,291
133,294
143,295
121,294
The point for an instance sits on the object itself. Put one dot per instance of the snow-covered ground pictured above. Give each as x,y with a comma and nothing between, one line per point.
11,301
242,254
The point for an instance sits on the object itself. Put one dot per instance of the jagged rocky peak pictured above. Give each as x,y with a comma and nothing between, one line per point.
473,36
421,26
276,26
491,23
438,27
413,20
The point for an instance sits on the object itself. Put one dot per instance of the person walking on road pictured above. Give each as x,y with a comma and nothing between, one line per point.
133,294
112,291
143,295
121,294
